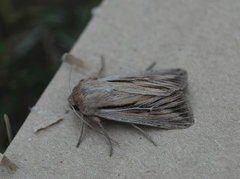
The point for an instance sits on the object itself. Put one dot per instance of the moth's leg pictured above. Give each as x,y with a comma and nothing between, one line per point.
108,139
81,134
151,66
144,134
105,134
101,70
72,60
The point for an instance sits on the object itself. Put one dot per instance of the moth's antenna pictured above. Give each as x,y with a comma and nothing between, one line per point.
100,72
81,117
151,66
65,59
69,80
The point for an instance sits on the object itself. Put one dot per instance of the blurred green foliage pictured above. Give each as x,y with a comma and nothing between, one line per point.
33,36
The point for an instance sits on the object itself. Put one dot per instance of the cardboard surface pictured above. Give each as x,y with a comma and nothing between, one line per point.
202,37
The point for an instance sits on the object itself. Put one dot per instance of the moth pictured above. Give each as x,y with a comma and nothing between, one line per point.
149,98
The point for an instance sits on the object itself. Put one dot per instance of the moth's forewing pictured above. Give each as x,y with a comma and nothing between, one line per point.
173,78
152,98
171,115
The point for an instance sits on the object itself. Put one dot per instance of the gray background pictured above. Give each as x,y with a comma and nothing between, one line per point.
199,35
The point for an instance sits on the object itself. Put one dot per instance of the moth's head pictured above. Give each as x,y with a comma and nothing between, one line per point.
71,102
72,99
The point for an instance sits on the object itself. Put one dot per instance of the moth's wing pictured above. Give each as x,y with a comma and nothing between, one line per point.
159,99
165,81
167,113
125,91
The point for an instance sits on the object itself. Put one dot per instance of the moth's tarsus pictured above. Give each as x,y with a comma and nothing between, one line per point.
107,137
81,134
151,66
144,134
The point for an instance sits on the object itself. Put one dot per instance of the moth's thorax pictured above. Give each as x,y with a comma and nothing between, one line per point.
78,99
90,95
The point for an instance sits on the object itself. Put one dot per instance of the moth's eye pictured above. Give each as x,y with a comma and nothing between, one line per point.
75,107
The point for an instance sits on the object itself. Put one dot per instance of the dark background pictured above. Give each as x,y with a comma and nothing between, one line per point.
33,36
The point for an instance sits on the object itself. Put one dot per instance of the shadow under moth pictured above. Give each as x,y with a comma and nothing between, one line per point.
149,98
